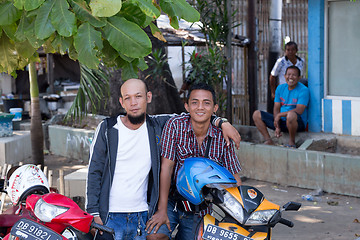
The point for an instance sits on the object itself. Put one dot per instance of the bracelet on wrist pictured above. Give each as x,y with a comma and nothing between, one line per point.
222,120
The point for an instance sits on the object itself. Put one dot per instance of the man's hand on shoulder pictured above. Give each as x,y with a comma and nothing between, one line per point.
229,132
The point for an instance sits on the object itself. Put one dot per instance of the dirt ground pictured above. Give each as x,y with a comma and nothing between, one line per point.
334,217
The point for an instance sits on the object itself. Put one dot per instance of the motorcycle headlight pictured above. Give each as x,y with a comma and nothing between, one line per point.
233,207
260,217
46,212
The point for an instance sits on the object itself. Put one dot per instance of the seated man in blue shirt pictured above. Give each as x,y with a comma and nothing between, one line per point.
290,109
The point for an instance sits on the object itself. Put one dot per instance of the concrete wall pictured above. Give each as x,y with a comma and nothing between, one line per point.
70,142
332,172
16,148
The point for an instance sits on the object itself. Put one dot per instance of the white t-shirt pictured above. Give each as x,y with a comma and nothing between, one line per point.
282,64
128,192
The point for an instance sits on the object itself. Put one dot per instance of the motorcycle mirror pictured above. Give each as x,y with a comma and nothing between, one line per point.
292,206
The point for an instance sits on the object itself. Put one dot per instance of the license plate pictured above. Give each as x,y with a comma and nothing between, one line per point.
30,230
213,232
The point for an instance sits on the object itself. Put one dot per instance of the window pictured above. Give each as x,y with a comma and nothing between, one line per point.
343,39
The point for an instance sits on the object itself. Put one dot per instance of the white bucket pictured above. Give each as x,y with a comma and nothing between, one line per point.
17,112
52,106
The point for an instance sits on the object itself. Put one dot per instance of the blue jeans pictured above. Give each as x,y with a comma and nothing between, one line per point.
126,225
186,220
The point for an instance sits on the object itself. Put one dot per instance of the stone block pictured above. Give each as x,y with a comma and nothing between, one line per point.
349,181
245,155
16,148
296,167
278,165
262,162
75,183
314,170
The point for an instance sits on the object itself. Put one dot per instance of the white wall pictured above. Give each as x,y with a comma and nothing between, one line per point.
175,61
7,83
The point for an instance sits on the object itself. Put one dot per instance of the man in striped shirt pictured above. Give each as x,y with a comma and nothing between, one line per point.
183,137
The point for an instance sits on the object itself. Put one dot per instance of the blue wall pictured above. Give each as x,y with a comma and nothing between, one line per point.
316,62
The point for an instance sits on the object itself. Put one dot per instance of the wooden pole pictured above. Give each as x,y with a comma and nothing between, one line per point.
3,195
3,172
50,177
61,180
229,107
45,171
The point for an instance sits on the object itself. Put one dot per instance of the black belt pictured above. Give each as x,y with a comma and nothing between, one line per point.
184,205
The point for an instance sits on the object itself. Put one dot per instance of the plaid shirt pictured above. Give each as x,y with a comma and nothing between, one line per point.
178,142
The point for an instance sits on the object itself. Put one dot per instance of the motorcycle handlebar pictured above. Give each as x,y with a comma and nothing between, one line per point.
286,222
102,227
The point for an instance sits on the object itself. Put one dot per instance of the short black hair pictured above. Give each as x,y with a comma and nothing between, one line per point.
294,67
202,86
291,44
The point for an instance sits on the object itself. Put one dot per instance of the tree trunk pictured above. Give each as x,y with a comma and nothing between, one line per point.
36,130
166,98
113,106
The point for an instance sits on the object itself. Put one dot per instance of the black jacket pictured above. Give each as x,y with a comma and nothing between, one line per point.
102,164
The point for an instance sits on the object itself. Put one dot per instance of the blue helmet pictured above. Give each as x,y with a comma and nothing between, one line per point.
198,172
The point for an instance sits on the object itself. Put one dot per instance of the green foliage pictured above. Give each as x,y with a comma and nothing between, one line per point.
105,8
94,87
127,37
89,31
211,67
157,61
207,67
87,42
214,19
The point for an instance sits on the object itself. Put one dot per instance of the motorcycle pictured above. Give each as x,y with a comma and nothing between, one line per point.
46,216
18,196
243,213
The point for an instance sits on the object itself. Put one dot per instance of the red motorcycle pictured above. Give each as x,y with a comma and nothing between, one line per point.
49,216
22,182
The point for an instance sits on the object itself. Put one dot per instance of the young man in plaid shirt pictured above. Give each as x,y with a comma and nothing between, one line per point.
183,137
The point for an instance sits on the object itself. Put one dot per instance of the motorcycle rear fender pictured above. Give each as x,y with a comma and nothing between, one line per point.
208,219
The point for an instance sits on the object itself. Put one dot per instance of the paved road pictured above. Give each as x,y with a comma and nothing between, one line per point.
314,220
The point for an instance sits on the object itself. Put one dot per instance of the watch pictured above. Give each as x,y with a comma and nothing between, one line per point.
222,120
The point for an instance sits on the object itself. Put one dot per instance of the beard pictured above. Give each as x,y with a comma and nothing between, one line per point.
137,120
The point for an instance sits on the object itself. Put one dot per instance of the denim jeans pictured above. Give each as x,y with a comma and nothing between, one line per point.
186,220
268,119
128,226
